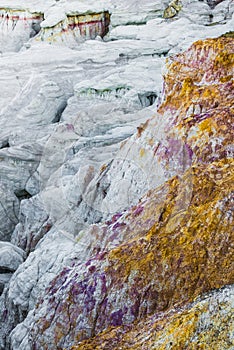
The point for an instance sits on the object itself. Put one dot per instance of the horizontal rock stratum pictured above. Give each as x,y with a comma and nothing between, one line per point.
142,278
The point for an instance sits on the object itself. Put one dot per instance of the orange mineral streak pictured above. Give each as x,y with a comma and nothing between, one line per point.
177,330
192,257
178,243
197,76
189,248
178,261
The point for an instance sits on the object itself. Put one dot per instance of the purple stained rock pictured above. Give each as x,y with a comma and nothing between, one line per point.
117,318
138,210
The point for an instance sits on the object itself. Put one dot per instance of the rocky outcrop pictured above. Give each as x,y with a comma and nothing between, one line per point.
166,146
10,258
175,244
78,149
184,253
208,321
173,9
77,27
17,27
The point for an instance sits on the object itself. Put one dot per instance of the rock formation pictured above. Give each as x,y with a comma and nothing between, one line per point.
116,215
207,322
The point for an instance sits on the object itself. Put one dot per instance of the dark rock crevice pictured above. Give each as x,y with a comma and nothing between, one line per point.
59,113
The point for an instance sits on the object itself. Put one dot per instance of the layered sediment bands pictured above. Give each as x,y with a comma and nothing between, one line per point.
17,26
137,275
12,18
90,25
80,26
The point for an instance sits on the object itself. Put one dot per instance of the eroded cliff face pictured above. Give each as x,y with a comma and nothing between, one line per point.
70,23
175,245
207,323
77,27
79,148
17,27
192,108
22,23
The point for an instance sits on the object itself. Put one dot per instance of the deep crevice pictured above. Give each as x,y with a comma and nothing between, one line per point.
4,269
147,99
59,113
22,194
5,144
2,286
213,3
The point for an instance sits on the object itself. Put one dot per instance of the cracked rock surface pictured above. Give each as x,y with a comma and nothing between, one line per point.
116,173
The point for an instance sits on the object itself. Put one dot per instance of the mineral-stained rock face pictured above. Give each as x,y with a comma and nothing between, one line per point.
78,151
17,26
80,26
193,123
183,254
137,275
208,322
173,8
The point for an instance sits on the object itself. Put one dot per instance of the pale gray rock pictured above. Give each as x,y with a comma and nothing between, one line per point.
34,223
18,164
17,27
223,11
41,266
9,209
207,12
4,279
30,280
10,257
40,102
71,160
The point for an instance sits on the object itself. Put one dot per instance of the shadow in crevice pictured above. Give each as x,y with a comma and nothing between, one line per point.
22,194
5,144
59,113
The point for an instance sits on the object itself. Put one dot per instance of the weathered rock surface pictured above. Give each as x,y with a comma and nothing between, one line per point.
77,149
207,322
184,253
9,209
10,258
17,27
177,242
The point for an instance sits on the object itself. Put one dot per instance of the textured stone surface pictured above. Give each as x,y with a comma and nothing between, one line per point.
11,257
197,129
77,149
9,209
177,242
80,26
207,323
17,27
185,253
